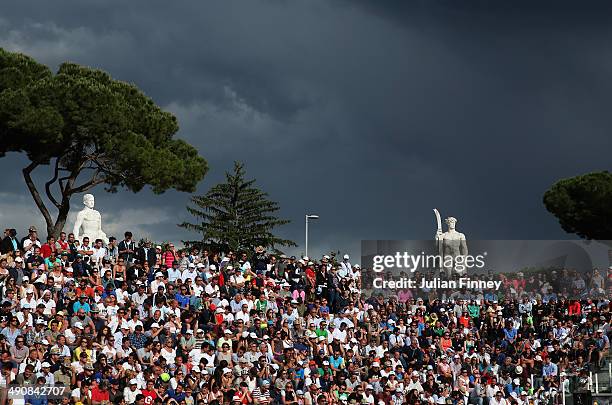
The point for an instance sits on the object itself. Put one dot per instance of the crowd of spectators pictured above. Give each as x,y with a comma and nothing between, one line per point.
135,323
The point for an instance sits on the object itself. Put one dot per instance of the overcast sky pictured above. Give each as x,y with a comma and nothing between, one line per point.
368,113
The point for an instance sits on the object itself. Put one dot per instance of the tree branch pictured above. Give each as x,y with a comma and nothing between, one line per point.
62,186
50,182
27,171
94,181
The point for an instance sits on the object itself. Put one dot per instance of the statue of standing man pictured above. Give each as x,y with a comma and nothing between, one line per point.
452,246
90,221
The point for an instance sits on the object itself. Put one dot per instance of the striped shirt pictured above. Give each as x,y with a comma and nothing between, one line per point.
260,397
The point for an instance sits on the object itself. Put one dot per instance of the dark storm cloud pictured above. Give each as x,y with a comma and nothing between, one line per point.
367,113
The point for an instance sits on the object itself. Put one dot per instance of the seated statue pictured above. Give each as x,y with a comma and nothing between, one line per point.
89,222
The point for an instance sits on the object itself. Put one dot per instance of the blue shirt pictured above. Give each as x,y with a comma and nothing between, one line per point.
549,369
183,300
36,399
336,362
77,305
177,397
510,333
510,389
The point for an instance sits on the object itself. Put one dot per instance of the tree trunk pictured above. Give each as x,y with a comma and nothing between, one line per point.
53,228
27,171
60,221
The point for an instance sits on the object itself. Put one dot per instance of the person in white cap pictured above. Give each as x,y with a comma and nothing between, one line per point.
159,280
345,267
73,332
523,398
46,373
131,391
356,275
28,292
368,395
189,273
415,383
26,320
226,338
48,302
261,394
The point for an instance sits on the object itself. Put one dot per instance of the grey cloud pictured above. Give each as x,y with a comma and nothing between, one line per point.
367,113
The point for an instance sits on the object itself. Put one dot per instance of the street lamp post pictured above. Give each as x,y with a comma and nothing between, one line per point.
308,216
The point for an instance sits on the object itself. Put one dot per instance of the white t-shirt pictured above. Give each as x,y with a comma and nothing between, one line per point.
191,274
21,317
168,355
98,255
27,244
49,306
173,274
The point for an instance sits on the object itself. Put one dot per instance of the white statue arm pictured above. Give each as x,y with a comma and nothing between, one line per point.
440,243
463,249
77,225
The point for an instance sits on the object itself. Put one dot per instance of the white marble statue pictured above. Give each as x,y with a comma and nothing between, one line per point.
89,222
451,245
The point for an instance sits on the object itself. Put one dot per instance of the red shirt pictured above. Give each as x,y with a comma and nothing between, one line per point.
169,257
63,245
46,249
98,395
150,396
574,308
89,291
